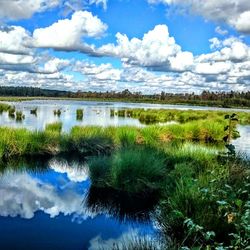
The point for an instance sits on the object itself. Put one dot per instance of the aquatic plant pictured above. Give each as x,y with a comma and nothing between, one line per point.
89,140
149,116
19,116
79,114
33,111
57,112
54,127
4,107
133,170
11,112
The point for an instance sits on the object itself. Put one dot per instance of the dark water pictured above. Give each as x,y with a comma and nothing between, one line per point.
51,205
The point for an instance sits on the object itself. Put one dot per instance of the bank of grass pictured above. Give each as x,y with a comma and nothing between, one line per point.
136,170
209,208
54,127
150,116
99,140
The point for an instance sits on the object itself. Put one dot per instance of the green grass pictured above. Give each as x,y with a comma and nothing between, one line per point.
99,140
149,116
11,112
19,116
4,107
204,196
54,127
79,114
132,170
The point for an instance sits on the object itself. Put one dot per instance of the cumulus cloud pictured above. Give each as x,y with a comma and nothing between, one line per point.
102,72
156,50
21,9
15,39
67,34
232,49
53,65
235,13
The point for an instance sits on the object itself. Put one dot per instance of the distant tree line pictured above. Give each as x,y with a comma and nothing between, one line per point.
224,99
30,91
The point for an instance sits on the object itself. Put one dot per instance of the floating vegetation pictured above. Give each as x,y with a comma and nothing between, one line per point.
4,107
79,114
57,112
11,112
19,116
112,112
33,111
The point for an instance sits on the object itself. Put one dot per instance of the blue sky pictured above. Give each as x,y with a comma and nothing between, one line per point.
144,45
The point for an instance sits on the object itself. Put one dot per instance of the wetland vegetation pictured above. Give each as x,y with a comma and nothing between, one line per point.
198,188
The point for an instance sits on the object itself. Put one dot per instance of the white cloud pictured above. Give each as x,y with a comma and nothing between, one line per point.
235,13
100,72
11,59
213,68
221,31
54,65
67,34
99,2
182,61
156,50
14,39
20,9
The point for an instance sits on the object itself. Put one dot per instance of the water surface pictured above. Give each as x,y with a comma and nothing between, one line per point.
53,207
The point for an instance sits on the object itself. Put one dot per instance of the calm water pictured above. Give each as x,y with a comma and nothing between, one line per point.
95,113
98,113
52,206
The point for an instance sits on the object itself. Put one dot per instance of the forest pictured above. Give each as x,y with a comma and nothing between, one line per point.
206,98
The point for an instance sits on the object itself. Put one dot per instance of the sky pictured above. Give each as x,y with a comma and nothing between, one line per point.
145,46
